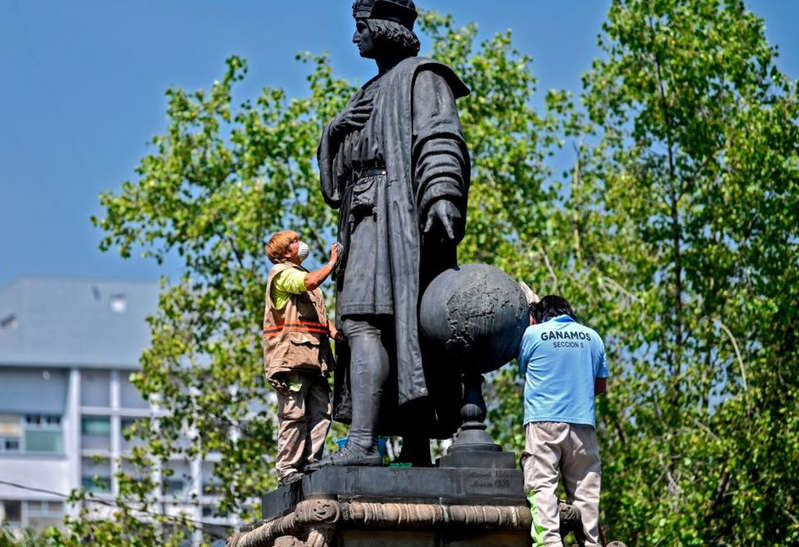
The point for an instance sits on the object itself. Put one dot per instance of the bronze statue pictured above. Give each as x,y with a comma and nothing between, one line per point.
396,165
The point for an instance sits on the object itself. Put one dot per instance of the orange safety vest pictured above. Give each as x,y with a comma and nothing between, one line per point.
296,336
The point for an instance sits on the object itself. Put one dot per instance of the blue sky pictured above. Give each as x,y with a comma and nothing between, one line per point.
82,92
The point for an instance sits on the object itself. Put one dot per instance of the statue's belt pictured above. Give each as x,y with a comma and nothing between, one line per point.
368,169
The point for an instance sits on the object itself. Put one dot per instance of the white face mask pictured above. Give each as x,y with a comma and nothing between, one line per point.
303,250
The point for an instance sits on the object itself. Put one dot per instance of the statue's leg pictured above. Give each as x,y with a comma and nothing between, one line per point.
369,370
368,374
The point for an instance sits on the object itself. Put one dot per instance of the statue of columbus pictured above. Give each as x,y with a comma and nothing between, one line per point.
395,165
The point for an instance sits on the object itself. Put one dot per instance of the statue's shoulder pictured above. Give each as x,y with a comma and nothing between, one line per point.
408,68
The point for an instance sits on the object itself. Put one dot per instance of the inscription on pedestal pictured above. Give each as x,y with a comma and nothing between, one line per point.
486,482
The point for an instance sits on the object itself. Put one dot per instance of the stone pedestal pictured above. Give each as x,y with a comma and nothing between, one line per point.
390,507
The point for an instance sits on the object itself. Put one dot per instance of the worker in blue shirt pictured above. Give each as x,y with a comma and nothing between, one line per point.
563,364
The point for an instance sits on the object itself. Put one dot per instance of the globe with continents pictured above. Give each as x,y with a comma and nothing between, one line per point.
474,316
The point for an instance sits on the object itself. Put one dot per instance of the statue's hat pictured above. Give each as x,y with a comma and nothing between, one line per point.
399,11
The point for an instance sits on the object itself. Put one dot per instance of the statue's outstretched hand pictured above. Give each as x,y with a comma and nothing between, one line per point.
445,220
352,118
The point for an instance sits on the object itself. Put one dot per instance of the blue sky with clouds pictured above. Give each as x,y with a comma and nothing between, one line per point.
82,92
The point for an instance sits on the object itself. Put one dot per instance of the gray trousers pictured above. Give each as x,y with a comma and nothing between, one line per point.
571,450
303,412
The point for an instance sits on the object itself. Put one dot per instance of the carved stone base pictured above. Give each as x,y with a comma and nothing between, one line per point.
387,507
323,523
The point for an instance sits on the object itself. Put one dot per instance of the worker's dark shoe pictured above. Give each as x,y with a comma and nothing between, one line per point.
291,478
349,455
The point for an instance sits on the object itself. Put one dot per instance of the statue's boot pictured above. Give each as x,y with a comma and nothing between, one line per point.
369,370
349,455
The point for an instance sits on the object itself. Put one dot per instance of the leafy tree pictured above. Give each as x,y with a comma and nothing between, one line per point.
697,165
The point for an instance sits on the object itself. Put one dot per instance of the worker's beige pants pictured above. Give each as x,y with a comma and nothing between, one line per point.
303,412
571,450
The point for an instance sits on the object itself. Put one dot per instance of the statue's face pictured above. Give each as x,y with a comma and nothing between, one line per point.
363,39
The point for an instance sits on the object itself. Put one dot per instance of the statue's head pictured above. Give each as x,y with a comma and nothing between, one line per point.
385,28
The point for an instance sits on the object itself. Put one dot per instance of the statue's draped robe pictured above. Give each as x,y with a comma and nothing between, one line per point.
415,132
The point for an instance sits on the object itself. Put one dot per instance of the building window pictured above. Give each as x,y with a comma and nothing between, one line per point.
42,421
129,422
130,397
95,425
11,512
11,433
44,441
208,511
130,440
176,478
95,388
96,474
31,433
174,486
9,444
41,514
96,484
135,472
211,485
95,432
43,433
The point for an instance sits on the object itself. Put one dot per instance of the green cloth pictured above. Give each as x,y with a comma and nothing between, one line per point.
287,282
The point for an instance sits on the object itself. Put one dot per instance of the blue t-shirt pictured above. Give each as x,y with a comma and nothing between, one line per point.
560,360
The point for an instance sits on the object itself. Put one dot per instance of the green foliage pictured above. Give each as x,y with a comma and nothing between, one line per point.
696,158
674,234
12,537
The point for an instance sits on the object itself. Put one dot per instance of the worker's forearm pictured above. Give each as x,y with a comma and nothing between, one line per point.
315,278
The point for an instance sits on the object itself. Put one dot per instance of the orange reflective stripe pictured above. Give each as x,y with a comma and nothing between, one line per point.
301,326
297,328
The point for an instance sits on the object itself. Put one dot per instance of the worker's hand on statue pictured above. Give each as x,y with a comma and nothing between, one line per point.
529,294
335,249
352,118
445,220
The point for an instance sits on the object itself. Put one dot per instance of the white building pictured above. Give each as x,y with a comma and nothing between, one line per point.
67,349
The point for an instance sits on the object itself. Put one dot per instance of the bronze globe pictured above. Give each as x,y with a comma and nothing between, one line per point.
474,316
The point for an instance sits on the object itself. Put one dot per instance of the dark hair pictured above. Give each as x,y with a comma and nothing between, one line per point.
551,306
393,37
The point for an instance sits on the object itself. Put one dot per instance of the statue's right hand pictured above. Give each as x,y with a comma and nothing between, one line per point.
353,117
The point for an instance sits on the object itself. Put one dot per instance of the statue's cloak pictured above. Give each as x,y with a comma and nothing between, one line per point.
404,140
